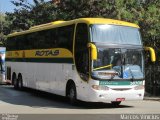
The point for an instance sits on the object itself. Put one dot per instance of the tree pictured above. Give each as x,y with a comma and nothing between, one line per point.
27,15
150,24
3,28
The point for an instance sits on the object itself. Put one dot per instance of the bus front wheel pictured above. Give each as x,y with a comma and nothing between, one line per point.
72,95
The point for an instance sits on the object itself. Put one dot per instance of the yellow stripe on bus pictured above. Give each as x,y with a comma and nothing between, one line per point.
40,53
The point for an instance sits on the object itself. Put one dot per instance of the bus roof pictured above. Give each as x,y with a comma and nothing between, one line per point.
60,23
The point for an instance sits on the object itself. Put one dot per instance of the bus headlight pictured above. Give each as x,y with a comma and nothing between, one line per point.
139,87
100,87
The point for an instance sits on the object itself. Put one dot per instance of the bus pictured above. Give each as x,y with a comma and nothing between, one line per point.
2,65
87,59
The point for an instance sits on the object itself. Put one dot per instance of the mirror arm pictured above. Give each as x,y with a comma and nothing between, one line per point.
152,53
93,51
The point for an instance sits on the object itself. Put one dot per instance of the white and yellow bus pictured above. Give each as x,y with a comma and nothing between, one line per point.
88,59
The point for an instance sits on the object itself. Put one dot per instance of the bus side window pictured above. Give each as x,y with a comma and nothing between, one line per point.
65,37
54,38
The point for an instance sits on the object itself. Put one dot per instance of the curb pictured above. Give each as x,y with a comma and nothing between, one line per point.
152,98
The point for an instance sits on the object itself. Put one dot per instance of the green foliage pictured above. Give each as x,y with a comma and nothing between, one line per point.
3,28
28,14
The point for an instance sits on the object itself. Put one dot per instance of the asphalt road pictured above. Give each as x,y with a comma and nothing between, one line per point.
34,102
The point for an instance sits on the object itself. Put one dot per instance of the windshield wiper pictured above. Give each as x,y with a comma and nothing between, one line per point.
102,67
112,76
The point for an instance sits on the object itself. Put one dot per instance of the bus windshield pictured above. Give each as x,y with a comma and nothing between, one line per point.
118,63
114,34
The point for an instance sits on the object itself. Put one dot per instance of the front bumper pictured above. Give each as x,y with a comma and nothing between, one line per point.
114,95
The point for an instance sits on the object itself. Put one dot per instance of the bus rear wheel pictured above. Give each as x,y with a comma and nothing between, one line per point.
20,83
72,95
15,82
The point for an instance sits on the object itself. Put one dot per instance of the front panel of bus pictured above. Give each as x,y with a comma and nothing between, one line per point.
118,72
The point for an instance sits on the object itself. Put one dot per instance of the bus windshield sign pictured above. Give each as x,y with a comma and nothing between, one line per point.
114,34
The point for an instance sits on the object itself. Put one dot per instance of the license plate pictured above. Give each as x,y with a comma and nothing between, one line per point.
120,99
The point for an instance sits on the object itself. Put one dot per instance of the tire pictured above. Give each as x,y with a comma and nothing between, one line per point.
116,103
72,94
20,82
15,81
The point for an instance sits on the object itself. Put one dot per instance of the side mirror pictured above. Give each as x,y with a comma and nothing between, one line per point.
93,51
152,53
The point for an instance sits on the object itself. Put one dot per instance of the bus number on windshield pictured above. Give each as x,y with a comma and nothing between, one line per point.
137,83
